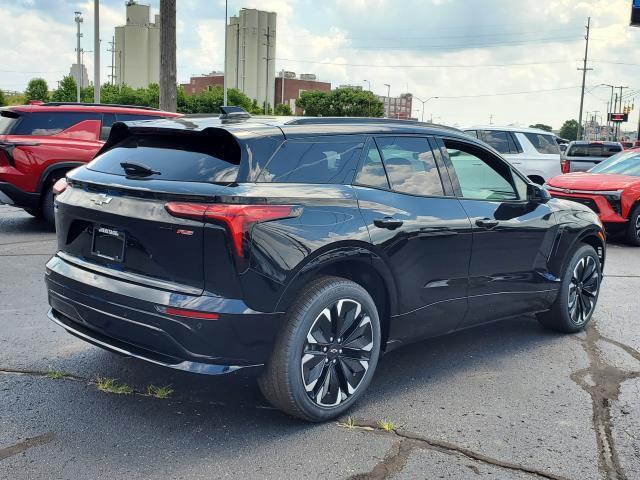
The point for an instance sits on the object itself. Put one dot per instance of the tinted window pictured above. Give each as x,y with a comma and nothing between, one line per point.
7,122
131,117
372,172
313,161
51,123
543,143
481,176
593,150
410,165
108,119
623,163
498,140
472,133
211,158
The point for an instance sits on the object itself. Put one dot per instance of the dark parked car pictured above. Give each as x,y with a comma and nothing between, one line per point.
306,248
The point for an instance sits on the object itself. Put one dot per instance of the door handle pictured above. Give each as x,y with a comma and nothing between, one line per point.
487,223
389,223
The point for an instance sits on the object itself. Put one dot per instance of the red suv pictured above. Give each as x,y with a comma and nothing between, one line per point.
39,143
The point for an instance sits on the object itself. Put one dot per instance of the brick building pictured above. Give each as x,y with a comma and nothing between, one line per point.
397,107
294,86
203,82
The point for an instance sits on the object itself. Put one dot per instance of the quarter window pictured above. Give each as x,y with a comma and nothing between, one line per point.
410,165
481,176
313,161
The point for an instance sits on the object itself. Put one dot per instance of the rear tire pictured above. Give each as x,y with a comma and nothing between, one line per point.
578,294
326,352
48,205
632,235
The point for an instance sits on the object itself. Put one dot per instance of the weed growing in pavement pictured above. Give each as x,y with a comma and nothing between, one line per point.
159,392
109,385
55,374
349,423
386,426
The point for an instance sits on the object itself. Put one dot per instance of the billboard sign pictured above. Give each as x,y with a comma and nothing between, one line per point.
618,117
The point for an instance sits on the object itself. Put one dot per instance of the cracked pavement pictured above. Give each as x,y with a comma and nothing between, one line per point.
504,401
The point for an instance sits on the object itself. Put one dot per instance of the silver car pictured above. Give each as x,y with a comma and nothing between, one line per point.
582,155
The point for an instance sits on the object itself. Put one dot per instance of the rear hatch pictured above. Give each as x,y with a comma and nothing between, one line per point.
114,217
582,157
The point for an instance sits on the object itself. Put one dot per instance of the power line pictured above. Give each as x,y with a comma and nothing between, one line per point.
369,65
509,93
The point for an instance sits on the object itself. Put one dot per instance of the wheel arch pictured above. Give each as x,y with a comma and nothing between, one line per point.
357,264
55,170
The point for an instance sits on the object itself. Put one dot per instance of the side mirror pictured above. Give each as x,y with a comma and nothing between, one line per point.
537,194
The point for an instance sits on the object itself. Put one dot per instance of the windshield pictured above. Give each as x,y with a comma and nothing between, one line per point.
624,163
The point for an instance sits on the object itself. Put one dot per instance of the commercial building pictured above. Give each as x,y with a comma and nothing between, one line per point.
79,74
397,107
137,48
200,83
251,51
288,88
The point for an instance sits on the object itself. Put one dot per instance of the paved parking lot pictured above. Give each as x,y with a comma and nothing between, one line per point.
505,401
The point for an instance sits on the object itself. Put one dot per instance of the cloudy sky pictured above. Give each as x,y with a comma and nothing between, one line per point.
514,61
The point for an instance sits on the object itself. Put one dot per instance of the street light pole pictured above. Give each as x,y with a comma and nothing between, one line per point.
96,51
78,21
584,75
224,77
423,103
369,83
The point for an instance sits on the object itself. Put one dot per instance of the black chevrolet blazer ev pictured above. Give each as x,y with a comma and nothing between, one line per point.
304,248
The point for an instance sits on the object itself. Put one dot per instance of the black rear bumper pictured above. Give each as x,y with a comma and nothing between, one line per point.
12,195
122,316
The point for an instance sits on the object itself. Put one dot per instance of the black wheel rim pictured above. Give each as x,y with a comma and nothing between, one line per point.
336,353
583,290
637,225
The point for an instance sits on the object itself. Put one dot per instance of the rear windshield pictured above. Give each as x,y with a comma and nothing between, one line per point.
185,158
625,163
7,120
593,150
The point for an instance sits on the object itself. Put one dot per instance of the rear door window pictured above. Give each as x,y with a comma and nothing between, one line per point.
498,140
372,172
410,165
108,119
51,123
323,160
543,143
187,158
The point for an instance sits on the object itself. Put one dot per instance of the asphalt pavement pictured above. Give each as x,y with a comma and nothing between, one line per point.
504,401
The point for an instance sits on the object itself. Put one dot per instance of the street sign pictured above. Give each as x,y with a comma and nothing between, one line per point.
619,117
635,13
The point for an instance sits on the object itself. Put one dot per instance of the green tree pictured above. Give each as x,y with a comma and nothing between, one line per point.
66,91
37,89
3,102
86,94
255,109
541,126
569,130
341,102
283,109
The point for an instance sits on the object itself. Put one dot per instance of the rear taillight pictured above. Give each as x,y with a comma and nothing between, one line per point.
237,218
60,186
181,312
565,165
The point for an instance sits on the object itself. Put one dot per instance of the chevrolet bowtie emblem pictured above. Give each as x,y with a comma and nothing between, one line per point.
101,199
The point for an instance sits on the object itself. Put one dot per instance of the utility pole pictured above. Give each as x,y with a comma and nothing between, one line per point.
168,88
388,99
224,77
266,92
491,119
584,76
96,51
113,60
78,21
423,104
619,124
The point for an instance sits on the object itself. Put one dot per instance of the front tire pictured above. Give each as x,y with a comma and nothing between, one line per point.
632,235
326,353
48,205
578,294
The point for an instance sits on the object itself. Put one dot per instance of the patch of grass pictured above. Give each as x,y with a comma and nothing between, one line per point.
160,392
349,423
55,374
386,426
110,385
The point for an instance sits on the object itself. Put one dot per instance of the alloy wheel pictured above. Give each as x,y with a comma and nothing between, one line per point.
637,226
336,353
583,289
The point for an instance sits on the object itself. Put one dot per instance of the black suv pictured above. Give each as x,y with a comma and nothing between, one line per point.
304,248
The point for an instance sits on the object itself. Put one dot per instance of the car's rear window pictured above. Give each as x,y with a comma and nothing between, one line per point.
593,150
543,143
8,120
51,123
186,158
325,160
